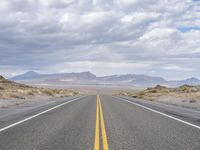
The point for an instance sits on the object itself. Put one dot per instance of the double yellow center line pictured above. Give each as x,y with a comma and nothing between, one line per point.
99,118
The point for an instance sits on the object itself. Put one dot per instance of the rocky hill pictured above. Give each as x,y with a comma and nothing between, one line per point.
13,90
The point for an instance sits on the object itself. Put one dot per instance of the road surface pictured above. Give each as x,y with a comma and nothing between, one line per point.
100,122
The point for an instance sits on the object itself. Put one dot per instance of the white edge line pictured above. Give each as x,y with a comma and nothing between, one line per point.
31,117
155,111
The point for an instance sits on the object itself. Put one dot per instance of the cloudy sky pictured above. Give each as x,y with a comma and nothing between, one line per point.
153,37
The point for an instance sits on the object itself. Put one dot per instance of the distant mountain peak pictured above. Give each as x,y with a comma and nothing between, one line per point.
85,72
87,75
27,75
31,72
192,78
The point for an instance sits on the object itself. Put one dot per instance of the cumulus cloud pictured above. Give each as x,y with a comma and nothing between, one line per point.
153,37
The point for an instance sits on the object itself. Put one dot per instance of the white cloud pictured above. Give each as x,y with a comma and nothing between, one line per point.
119,34
102,67
139,17
172,67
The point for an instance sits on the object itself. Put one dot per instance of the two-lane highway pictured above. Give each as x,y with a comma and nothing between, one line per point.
99,122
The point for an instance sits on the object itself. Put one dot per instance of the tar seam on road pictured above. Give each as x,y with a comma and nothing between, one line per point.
163,114
29,118
99,112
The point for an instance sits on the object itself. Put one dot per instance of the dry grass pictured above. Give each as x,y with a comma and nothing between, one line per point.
13,90
191,93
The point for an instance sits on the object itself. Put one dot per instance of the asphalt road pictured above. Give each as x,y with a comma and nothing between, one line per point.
103,122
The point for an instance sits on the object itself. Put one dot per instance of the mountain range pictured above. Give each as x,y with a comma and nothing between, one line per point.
87,78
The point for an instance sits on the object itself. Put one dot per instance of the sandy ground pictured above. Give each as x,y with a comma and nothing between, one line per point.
104,90
90,89
184,102
111,90
11,103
